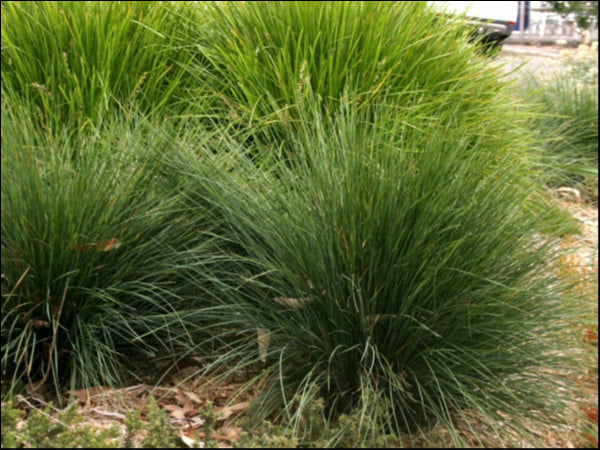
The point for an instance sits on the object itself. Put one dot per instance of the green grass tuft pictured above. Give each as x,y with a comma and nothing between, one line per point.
384,260
568,123
78,61
95,244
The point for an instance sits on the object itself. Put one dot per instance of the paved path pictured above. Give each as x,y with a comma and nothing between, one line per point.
543,60
551,51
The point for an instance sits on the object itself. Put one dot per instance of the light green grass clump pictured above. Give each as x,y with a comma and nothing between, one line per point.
76,61
568,120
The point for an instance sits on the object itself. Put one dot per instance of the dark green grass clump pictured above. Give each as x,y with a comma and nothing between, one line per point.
391,236
400,274
95,239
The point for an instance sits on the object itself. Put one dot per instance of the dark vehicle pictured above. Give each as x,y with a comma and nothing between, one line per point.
492,22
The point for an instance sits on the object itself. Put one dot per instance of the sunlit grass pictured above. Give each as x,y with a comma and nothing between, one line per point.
270,61
77,61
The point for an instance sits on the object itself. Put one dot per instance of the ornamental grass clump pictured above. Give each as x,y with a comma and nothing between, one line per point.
264,60
401,274
95,238
390,254
78,60
568,123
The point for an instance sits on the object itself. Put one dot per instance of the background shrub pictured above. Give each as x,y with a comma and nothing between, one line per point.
568,123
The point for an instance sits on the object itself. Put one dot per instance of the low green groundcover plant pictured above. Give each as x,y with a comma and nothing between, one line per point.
68,429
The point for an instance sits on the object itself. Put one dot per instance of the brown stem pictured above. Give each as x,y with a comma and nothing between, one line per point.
33,387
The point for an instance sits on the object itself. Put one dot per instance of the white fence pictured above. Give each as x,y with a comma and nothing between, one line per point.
545,23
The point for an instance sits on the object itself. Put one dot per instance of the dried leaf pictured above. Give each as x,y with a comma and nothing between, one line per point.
184,400
293,302
37,324
232,433
110,244
196,422
178,414
85,395
191,432
83,247
591,412
193,397
189,413
593,441
264,338
102,246
592,336
227,411
187,440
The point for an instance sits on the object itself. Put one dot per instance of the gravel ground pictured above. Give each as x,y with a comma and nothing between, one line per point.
543,60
